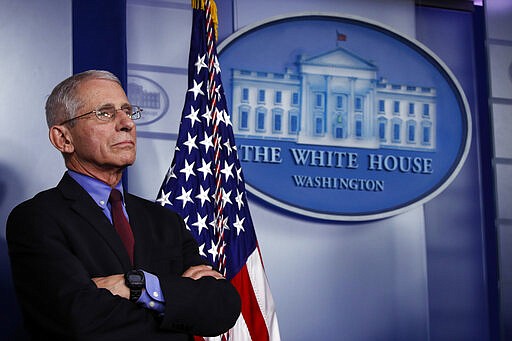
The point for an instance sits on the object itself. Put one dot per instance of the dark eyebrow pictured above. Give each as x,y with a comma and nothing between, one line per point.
106,105
110,105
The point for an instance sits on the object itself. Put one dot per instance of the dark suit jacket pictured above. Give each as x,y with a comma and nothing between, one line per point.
60,239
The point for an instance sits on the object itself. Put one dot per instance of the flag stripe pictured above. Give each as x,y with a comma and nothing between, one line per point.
262,291
240,332
250,307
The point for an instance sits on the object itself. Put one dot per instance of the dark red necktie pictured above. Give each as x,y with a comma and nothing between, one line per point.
121,224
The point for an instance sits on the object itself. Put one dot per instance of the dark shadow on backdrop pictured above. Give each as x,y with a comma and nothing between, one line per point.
11,190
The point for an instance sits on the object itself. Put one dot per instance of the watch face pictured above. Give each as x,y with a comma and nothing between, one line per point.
135,279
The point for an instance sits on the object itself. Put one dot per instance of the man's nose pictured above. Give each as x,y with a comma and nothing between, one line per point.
124,121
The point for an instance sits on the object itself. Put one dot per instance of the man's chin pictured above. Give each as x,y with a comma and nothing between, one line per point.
128,163
127,159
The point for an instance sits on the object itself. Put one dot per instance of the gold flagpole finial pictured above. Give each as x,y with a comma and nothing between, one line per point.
200,4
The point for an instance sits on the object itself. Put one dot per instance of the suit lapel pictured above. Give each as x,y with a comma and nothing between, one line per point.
82,203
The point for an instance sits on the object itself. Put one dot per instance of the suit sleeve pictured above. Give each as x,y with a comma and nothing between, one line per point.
207,306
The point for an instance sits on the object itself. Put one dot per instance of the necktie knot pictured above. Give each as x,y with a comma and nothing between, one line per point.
115,196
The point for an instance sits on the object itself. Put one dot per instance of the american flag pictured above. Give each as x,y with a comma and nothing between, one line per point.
205,185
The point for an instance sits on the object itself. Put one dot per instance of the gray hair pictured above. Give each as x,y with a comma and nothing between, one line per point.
63,103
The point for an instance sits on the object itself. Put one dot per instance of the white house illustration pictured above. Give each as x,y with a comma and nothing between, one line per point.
335,99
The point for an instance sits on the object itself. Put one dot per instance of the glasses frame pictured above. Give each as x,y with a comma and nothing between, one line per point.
134,115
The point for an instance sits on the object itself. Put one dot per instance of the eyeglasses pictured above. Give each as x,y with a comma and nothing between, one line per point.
108,113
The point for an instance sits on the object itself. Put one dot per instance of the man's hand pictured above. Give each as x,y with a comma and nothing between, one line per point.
199,271
114,283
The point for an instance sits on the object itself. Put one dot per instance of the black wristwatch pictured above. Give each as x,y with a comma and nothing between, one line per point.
134,280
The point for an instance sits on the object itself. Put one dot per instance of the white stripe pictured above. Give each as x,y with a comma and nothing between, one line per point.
214,338
240,332
263,294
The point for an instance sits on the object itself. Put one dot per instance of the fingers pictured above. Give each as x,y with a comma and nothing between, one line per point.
108,281
114,283
199,271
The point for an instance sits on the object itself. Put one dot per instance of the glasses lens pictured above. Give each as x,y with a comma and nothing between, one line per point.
136,113
105,113
108,113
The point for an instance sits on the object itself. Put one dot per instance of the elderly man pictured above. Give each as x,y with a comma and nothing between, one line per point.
92,262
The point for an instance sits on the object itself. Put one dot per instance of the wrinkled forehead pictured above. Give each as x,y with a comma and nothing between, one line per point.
95,93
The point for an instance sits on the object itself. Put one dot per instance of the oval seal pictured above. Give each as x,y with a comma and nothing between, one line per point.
150,96
341,118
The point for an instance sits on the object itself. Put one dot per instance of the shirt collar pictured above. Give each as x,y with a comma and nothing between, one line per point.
97,189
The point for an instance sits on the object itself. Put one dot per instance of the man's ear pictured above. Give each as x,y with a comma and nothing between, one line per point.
61,139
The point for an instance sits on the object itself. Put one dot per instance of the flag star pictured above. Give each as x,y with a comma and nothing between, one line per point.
185,197
188,169
201,250
239,198
200,223
226,197
207,115
196,89
216,65
213,251
222,254
164,198
191,143
227,118
200,63
213,223
207,142
217,92
193,116
206,169
238,175
209,88
186,223
227,170
239,224
225,224
203,195
170,173
228,147
219,117
218,142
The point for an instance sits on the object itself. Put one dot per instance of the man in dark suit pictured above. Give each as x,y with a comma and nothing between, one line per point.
76,277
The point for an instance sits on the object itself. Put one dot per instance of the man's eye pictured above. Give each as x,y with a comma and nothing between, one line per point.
105,114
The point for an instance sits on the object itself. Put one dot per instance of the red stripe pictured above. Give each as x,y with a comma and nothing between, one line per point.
250,308
259,253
